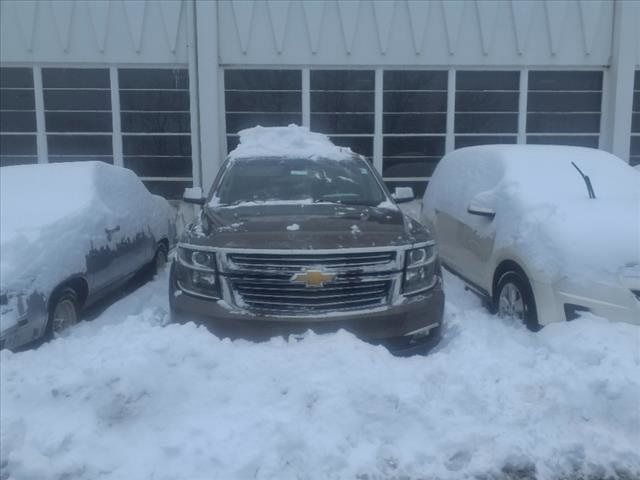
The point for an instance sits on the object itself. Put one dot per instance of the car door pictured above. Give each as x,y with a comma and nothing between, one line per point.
466,238
128,243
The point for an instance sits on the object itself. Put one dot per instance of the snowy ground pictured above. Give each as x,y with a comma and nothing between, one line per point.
124,397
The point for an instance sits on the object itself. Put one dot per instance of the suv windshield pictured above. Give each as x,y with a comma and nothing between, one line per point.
348,181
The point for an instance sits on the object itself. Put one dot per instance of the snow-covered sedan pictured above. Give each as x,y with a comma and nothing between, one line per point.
544,233
71,233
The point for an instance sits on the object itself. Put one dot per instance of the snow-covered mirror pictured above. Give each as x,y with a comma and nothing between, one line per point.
193,195
403,194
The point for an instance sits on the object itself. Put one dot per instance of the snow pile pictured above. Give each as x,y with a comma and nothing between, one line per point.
291,141
124,397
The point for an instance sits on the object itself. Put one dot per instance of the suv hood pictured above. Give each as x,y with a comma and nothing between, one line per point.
304,226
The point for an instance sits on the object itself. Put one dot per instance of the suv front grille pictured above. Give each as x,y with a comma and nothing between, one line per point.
281,296
294,263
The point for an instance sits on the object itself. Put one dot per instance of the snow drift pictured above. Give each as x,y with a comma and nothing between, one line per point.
126,398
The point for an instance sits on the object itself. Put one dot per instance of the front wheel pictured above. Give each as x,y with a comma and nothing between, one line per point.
63,312
514,299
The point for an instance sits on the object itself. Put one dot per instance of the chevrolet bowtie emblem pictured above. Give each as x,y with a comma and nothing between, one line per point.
313,278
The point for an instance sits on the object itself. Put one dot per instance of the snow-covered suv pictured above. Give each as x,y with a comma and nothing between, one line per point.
299,234
543,232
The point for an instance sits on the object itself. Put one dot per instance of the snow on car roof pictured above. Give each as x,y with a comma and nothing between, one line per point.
291,141
36,195
539,169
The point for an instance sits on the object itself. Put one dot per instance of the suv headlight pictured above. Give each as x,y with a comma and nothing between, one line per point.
196,272
419,269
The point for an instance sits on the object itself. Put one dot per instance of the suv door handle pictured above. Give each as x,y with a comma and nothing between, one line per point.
111,231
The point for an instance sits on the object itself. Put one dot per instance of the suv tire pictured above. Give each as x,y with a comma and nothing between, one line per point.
514,298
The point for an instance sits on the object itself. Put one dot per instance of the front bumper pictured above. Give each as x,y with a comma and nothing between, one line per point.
407,327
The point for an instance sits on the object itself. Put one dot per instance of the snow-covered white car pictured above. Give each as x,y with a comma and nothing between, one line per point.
542,232
71,233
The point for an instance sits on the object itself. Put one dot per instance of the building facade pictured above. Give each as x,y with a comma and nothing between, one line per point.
163,87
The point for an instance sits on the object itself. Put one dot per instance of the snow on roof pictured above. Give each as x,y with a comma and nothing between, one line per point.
541,169
291,141
36,195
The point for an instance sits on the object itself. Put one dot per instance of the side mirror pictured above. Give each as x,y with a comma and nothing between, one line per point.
194,195
403,194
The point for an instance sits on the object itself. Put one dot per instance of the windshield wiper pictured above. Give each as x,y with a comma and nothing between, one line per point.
587,181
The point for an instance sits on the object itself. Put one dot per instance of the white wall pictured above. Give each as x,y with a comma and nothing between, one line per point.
93,31
401,32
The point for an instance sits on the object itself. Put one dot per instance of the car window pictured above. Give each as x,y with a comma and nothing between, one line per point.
347,181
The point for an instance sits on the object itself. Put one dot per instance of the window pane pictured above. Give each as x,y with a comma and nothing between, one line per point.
564,123
159,166
260,102
635,145
18,145
263,80
162,100
16,99
401,102
75,99
342,123
75,77
151,122
484,102
16,77
565,80
79,145
414,123
78,121
153,78
161,145
564,101
413,146
576,140
342,102
342,80
486,122
415,80
16,121
487,80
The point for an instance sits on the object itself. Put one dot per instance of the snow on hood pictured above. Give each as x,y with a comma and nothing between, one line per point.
546,212
291,141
